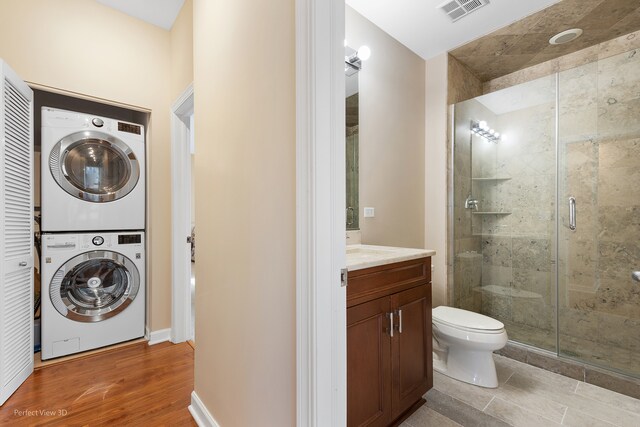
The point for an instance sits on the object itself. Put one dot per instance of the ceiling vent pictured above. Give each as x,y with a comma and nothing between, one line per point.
457,9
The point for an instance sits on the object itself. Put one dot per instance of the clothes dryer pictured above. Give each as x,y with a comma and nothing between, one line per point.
92,173
93,291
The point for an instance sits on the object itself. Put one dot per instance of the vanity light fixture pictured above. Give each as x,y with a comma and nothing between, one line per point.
483,129
364,53
353,59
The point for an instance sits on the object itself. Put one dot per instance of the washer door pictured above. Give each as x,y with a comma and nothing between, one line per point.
94,166
94,286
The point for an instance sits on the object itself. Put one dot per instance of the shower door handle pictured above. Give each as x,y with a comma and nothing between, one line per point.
572,213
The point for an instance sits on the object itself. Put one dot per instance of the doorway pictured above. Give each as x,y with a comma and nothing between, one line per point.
183,214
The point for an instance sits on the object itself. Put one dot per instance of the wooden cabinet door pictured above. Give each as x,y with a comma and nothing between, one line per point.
411,348
369,364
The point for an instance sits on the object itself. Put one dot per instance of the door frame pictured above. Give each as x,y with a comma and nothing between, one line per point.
181,110
321,346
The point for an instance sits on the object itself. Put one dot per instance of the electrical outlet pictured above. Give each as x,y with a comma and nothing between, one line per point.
369,212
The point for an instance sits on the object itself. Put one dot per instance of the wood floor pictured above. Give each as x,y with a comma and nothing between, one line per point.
137,385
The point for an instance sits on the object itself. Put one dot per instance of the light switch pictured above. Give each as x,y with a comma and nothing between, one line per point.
369,212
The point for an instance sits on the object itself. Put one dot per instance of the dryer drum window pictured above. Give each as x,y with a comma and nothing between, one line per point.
94,166
95,286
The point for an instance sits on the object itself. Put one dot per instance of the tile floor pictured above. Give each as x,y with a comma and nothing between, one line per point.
612,354
527,396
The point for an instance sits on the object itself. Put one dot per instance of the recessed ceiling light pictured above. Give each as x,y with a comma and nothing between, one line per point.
566,36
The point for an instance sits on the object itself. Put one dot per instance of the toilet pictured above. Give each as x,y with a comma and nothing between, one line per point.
463,345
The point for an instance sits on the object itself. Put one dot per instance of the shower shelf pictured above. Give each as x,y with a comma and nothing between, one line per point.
492,213
491,179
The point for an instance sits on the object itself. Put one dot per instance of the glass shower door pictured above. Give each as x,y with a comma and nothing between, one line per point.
504,222
599,212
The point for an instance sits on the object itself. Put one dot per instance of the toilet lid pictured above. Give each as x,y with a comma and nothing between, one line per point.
465,319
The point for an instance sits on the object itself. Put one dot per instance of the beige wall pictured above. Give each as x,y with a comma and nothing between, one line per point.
182,51
84,47
436,172
245,206
392,132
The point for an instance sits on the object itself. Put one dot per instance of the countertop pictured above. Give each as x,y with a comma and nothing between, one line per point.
365,256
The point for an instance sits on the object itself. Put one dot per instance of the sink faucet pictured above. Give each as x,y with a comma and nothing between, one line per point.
471,203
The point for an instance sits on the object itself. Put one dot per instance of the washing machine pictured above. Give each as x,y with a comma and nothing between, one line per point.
93,291
92,173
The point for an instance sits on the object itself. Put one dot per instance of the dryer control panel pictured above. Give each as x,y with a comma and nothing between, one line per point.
96,241
129,239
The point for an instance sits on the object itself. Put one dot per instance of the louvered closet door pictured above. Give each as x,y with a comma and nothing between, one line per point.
16,231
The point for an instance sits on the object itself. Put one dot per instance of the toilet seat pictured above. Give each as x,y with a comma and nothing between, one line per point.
464,320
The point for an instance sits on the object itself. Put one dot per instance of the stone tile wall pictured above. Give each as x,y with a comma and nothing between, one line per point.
600,149
589,55
598,156
515,255
466,262
462,85
518,285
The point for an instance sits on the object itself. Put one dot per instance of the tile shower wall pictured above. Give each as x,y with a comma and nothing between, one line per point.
467,244
505,252
589,55
600,149
514,182
464,261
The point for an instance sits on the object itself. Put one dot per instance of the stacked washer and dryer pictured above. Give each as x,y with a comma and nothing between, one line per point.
93,240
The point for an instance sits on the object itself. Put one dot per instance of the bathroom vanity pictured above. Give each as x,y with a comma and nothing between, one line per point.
389,355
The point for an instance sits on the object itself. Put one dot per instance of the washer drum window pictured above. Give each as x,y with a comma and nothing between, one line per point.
94,166
94,286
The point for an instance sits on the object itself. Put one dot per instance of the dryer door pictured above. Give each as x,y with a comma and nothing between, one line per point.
94,286
94,166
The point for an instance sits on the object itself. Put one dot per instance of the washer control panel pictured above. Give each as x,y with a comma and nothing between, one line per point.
59,242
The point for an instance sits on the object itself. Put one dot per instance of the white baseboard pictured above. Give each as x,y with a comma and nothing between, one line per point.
200,413
156,337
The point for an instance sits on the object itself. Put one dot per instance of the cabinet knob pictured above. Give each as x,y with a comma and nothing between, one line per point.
22,263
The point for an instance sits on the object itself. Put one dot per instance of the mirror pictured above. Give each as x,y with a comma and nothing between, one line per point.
386,177
352,148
